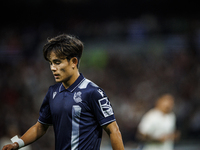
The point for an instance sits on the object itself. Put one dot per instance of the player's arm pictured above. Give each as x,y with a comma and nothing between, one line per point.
34,133
148,138
114,133
31,135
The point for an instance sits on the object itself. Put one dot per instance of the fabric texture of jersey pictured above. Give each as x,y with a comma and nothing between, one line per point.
77,114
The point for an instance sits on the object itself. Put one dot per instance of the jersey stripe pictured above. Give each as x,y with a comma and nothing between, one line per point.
84,84
76,111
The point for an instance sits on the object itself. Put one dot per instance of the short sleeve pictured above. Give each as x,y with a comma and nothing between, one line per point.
146,125
101,107
45,112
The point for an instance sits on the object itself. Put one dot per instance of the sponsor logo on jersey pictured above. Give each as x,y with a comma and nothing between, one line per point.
100,92
77,97
105,107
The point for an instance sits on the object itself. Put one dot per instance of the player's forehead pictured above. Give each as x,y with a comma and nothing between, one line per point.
55,55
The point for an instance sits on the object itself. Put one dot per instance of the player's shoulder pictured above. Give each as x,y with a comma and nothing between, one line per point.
152,112
88,85
91,88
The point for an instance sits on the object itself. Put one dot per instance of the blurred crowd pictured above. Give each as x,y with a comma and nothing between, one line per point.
141,58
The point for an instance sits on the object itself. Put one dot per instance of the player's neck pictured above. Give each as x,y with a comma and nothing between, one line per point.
71,80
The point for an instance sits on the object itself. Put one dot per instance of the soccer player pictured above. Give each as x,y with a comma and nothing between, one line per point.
77,108
157,127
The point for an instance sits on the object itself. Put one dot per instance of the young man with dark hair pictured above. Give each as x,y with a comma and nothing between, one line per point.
77,108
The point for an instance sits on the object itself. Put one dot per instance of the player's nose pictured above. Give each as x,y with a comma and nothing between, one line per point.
53,68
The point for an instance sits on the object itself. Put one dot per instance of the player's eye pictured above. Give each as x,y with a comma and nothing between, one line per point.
57,62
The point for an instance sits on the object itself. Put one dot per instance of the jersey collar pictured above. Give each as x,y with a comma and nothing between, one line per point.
78,81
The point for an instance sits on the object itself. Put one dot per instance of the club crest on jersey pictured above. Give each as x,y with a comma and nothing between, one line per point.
77,97
105,107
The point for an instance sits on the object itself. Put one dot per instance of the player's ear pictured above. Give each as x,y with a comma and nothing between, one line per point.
74,62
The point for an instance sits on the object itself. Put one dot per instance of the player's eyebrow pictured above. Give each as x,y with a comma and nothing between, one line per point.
54,60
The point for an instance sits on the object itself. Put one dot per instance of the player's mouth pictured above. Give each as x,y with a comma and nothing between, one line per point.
56,76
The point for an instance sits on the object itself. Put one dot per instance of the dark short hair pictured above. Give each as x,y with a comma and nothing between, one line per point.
64,46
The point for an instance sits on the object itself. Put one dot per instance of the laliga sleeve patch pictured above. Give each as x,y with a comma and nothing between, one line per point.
105,107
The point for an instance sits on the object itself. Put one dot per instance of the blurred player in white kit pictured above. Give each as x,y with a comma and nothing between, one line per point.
157,128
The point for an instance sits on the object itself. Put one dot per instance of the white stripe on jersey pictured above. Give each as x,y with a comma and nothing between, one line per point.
84,84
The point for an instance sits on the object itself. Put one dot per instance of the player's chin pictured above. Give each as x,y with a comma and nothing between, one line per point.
58,80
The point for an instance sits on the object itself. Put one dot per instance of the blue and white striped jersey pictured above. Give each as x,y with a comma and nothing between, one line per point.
77,114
